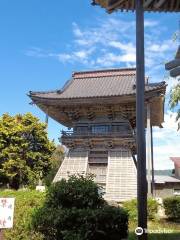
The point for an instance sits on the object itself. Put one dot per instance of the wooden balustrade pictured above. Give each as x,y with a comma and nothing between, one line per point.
93,134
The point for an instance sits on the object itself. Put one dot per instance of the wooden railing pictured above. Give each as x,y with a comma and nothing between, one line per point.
89,133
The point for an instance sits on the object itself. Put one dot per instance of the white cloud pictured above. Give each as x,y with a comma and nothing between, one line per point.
109,59
150,23
159,47
74,56
117,37
166,142
38,52
129,57
76,30
110,42
127,47
64,57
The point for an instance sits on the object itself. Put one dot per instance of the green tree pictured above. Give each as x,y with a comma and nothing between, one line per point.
175,100
25,150
56,160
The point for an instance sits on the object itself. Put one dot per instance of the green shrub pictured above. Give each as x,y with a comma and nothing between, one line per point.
131,207
25,203
75,210
172,207
78,191
152,208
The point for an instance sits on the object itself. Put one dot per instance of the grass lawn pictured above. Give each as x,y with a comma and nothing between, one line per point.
158,225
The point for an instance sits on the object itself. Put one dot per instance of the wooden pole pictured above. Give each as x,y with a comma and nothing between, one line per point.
47,119
141,146
149,150
152,162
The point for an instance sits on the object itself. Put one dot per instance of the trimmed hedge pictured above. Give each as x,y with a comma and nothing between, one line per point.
75,210
25,203
172,207
131,207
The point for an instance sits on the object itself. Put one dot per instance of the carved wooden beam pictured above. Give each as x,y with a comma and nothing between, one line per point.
177,6
113,4
160,3
123,113
110,113
73,115
90,144
110,144
90,114
76,115
147,3
70,115
70,144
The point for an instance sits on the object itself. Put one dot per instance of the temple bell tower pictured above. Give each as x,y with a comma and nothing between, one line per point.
98,110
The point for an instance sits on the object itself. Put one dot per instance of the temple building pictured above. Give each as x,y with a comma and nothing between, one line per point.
98,108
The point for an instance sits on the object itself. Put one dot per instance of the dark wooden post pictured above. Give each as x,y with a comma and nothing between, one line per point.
152,162
149,148
47,119
141,149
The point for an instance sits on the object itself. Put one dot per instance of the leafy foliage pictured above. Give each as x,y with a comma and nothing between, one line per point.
75,210
25,150
172,207
174,101
131,207
56,160
77,191
25,203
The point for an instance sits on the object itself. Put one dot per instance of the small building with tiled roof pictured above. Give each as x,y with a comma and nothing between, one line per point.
166,186
99,109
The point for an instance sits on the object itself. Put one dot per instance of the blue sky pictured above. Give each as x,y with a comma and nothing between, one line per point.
43,42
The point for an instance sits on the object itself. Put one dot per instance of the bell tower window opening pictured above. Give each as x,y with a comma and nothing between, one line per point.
98,129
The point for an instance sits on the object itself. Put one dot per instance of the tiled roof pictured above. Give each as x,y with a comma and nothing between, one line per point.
99,83
176,161
166,179
105,73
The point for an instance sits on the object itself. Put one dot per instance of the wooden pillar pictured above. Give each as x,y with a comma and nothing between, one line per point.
149,148
46,119
152,163
141,146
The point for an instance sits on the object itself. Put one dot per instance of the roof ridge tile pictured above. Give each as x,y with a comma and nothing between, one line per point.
105,72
